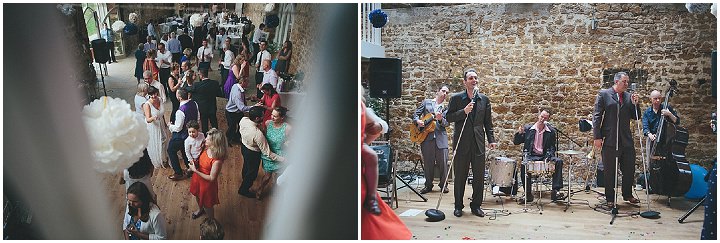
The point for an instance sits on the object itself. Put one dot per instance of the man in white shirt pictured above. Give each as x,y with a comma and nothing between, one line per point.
163,60
269,75
262,55
226,62
253,145
220,39
257,38
204,56
147,75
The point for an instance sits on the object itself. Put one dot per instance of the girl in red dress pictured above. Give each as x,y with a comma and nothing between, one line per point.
204,184
375,226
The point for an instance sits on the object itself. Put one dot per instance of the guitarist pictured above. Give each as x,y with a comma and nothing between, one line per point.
434,147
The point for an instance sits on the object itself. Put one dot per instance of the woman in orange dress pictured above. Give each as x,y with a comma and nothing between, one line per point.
386,225
204,184
150,64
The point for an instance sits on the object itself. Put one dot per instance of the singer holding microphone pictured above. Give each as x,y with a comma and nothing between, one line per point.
471,112
614,108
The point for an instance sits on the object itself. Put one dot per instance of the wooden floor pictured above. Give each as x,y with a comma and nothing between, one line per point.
241,217
579,222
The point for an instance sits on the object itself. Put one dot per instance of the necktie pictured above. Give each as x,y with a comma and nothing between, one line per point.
620,98
203,55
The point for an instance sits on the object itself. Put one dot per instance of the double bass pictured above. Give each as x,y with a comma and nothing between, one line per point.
670,172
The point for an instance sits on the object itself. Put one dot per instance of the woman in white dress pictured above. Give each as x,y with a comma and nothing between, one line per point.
157,128
141,98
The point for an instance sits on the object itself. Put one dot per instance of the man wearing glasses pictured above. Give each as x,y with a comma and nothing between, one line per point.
434,148
611,127
472,114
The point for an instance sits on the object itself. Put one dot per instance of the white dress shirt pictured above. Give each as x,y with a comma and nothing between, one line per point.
167,56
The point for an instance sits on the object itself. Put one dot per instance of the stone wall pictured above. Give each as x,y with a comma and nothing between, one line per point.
532,55
304,35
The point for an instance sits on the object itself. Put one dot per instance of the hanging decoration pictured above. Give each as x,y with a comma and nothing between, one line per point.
133,18
697,8
269,7
117,26
378,18
117,134
272,21
196,20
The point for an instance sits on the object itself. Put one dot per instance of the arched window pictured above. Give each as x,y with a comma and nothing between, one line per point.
287,16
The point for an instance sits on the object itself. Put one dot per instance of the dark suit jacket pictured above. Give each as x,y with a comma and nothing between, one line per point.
605,118
204,93
528,139
440,134
479,123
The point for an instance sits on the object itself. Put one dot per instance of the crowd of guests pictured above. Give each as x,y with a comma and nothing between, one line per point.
173,69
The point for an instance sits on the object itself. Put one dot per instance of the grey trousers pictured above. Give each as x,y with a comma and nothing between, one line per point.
433,156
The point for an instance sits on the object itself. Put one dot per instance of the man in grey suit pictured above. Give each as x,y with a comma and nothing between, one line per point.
611,127
471,149
435,146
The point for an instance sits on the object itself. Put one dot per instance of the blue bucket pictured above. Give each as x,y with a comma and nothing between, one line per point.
699,186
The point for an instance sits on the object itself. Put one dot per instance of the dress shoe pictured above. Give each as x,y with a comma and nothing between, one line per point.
372,206
555,196
458,213
631,200
176,177
425,190
477,212
446,190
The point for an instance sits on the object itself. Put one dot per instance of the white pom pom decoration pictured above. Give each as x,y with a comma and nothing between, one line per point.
196,20
118,26
117,134
133,18
269,7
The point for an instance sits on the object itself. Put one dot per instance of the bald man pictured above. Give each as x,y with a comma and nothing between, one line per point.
651,117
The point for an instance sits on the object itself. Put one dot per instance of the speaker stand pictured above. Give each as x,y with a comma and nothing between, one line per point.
102,78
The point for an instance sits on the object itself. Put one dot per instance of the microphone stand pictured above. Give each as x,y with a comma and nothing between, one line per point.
614,210
649,214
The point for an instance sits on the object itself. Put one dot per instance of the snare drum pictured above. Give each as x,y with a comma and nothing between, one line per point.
501,171
540,167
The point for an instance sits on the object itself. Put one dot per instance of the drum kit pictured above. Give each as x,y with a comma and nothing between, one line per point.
502,173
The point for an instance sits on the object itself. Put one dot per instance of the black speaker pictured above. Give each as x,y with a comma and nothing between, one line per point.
714,73
384,163
385,75
100,51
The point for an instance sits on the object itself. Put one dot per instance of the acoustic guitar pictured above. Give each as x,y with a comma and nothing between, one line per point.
417,133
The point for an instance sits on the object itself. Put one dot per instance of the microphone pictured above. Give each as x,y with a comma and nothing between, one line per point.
633,87
547,123
476,94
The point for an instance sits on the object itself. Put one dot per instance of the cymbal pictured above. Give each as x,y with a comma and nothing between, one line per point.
570,152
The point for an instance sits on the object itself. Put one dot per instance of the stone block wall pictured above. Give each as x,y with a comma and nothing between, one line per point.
532,55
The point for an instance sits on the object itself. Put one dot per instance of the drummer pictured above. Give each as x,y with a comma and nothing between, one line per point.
539,144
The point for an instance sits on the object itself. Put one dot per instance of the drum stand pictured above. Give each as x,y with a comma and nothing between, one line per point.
569,199
538,204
